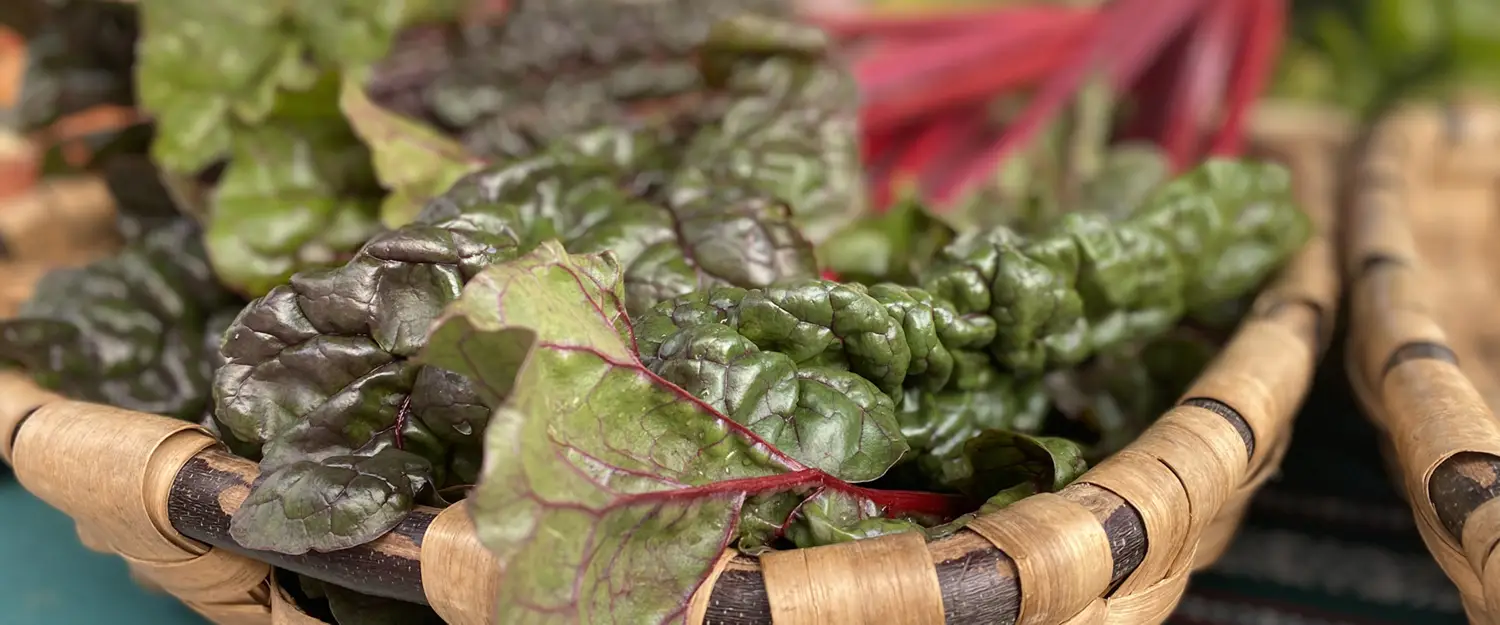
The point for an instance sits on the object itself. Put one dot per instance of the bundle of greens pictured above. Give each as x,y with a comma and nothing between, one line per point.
750,416
139,330
621,337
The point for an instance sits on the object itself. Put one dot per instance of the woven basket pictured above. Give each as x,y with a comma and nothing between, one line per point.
1115,547
1424,354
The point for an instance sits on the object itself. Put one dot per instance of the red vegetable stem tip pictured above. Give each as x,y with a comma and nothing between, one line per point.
1131,32
1266,24
894,65
857,24
1199,81
977,82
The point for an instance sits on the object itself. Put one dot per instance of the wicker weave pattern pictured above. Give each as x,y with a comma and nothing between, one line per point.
1425,353
1182,487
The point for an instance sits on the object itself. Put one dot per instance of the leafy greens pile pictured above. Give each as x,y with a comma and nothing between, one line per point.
616,340
750,415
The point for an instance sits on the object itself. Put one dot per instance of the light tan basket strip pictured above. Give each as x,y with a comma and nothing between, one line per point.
67,221
1262,374
18,397
461,576
1409,184
112,470
834,585
1156,493
1061,553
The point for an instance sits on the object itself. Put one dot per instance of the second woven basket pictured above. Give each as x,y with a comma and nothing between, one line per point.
1424,355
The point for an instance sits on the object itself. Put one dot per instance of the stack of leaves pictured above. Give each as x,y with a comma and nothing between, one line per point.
1363,55
931,79
561,66
139,330
749,417
254,87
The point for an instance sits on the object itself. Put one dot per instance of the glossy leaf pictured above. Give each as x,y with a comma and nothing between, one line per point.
354,608
414,163
323,365
329,504
608,491
135,330
1011,465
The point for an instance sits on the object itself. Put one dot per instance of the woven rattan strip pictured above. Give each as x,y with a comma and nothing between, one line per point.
1136,521
1423,357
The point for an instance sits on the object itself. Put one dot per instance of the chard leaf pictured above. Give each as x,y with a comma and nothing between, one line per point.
414,162
830,517
136,330
355,608
1007,466
332,504
607,492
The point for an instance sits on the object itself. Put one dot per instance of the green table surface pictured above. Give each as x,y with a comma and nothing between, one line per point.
48,578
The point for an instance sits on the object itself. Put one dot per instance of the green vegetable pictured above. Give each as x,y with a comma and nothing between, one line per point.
136,330
633,453
600,474
320,370
566,66
257,84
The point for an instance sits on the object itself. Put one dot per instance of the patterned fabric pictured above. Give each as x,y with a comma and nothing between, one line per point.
1330,542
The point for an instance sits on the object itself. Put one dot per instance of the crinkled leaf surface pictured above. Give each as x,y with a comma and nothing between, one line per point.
298,193
354,608
209,69
1001,460
330,504
323,365
608,491
414,162
134,330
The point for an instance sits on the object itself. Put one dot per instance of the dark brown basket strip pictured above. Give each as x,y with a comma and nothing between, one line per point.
200,507
1418,350
1241,426
1460,485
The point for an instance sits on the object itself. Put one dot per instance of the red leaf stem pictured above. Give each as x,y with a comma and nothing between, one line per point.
891,68
1131,34
850,25
976,82
1199,81
895,502
1265,23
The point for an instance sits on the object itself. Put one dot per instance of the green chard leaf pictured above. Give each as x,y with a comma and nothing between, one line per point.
298,193
601,475
136,330
323,366
208,70
413,161
1014,466
354,608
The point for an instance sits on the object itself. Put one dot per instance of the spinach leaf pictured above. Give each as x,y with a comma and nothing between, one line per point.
608,490
323,366
135,330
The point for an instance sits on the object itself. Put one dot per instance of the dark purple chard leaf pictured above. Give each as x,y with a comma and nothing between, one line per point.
354,608
608,492
330,504
134,330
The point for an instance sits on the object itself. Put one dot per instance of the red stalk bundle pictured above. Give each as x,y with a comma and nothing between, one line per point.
1192,69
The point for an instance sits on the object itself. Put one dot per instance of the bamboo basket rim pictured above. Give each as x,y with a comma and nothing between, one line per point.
1296,306
1442,437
